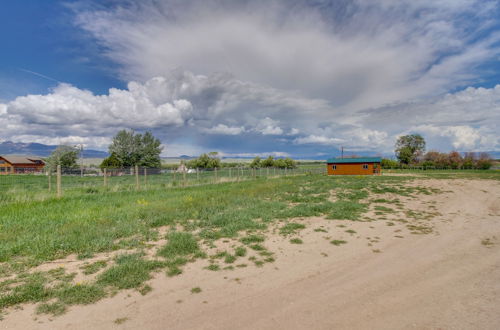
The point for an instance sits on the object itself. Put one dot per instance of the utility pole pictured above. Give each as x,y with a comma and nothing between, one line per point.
342,154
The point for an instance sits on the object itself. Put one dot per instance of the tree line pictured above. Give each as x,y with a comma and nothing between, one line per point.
129,149
410,151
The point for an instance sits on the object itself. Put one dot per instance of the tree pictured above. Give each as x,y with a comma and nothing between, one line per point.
129,149
255,162
210,160
388,163
63,155
268,162
469,160
455,160
432,156
285,163
409,148
125,146
484,162
111,162
149,151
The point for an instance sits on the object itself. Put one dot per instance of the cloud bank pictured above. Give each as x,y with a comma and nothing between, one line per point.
304,77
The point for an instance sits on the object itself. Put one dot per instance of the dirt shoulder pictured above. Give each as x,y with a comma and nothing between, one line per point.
383,277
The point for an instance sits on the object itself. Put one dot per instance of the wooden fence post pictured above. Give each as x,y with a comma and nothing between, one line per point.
50,180
136,170
59,191
145,176
105,173
184,178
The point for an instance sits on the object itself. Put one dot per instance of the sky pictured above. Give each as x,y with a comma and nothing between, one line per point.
299,78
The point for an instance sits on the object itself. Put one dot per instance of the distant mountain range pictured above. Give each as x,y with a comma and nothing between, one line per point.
41,150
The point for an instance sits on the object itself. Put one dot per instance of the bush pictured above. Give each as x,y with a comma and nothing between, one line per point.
388,163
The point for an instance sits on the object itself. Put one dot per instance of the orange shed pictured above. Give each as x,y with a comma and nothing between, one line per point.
354,166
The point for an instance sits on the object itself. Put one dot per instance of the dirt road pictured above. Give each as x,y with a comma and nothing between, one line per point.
383,278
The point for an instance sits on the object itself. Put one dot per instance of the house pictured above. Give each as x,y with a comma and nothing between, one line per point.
20,164
354,166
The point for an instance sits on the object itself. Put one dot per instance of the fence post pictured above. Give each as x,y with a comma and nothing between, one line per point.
229,174
198,175
184,178
145,176
50,180
215,173
105,173
136,170
59,191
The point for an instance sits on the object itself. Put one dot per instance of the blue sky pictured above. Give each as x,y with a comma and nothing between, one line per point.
287,78
39,36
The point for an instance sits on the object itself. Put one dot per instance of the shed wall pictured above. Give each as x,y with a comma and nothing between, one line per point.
352,169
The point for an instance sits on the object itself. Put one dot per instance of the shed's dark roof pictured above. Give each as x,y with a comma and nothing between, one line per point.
354,160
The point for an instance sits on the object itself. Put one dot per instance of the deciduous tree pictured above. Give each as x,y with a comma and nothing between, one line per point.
64,155
409,148
129,149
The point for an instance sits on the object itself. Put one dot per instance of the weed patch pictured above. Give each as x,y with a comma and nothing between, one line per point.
93,267
291,228
130,271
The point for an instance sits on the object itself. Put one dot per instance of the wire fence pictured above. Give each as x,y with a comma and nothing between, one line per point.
66,181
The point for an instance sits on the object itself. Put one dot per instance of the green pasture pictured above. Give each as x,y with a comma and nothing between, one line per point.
28,187
90,219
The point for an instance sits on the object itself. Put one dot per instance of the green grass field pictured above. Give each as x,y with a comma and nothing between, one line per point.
40,186
90,220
